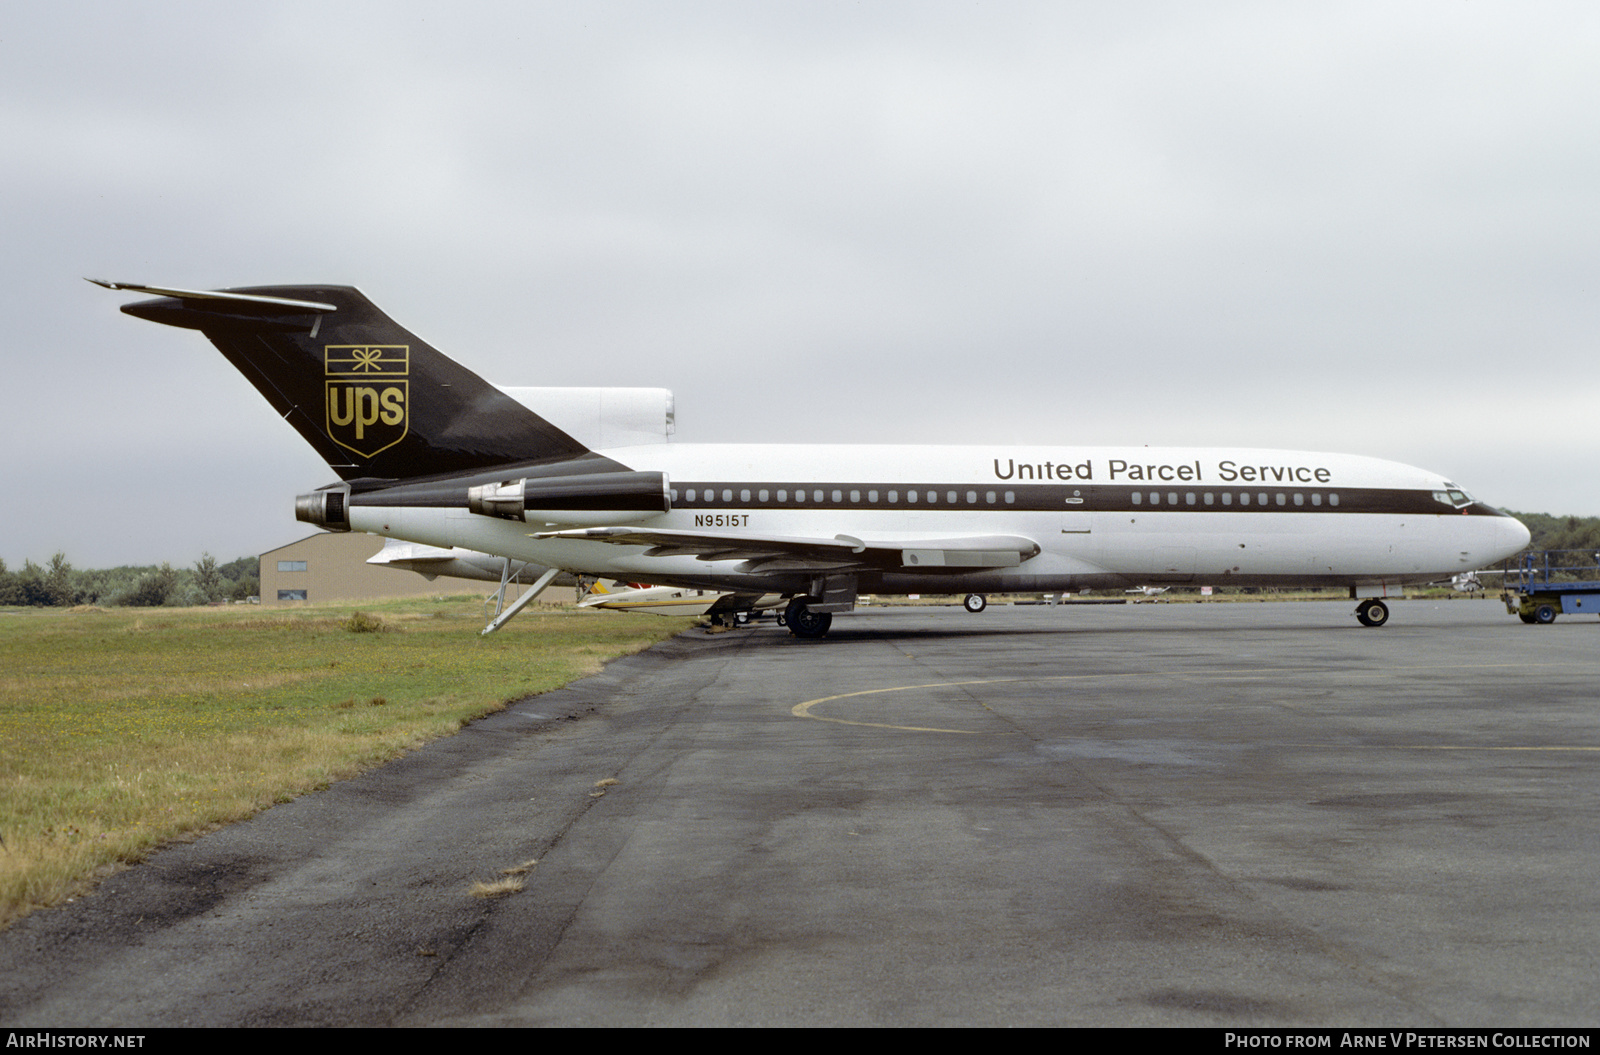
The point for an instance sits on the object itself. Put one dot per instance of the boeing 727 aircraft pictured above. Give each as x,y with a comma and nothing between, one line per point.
429,452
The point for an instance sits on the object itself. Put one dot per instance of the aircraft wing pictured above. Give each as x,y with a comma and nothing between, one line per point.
792,553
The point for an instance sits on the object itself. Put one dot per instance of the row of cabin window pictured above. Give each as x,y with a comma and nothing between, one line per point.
818,495
1208,498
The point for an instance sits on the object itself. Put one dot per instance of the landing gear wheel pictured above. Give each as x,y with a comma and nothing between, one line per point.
1372,613
974,603
1544,614
803,622
742,618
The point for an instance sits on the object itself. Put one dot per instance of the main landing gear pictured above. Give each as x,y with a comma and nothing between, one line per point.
803,622
1372,612
974,603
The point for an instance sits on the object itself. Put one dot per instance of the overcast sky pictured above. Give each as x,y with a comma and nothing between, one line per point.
1360,227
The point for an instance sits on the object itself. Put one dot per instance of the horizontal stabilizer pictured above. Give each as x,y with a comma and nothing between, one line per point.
233,303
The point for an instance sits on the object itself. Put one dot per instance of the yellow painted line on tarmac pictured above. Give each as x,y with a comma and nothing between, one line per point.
803,710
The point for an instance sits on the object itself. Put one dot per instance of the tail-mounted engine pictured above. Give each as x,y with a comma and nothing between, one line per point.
328,508
585,499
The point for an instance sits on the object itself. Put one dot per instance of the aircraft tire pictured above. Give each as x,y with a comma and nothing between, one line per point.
974,603
805,623
1544,614
742,618
1372,613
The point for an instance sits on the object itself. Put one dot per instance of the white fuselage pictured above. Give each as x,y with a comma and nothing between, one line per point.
1100,516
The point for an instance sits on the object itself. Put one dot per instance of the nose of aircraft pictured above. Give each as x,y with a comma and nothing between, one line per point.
1512,536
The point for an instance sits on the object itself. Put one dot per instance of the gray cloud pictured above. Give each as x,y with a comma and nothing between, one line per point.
1355,227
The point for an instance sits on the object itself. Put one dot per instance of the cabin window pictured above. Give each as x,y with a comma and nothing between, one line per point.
1188,499
1172,498
1155,498
1299,499
972,498
1227,498
783,494
764,494
1261,498
989,497
1282,499
950,496
855,497
911,496
838,496
1244,499
933,497
1316,499
894,497
727,495
872,497
1011,498
1210,498
1137,498
1333,500
816,496
744,495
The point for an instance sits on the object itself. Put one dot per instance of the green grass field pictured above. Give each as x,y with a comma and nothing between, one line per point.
122,729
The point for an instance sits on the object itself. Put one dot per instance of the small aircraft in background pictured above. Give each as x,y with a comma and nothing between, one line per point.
433,561
720,606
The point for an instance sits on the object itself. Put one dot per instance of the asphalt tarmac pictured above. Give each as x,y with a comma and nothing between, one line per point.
1154,814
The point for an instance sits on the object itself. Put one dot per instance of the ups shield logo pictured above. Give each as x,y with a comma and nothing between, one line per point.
367,392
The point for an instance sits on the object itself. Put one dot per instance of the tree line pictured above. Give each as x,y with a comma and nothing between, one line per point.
59,584
1552,532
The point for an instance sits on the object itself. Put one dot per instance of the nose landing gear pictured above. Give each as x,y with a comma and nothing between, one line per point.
1372,612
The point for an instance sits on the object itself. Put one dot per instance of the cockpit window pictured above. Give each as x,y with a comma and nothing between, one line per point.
1454,497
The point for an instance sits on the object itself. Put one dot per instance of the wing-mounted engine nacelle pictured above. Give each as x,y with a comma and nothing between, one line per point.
328,508
592,498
